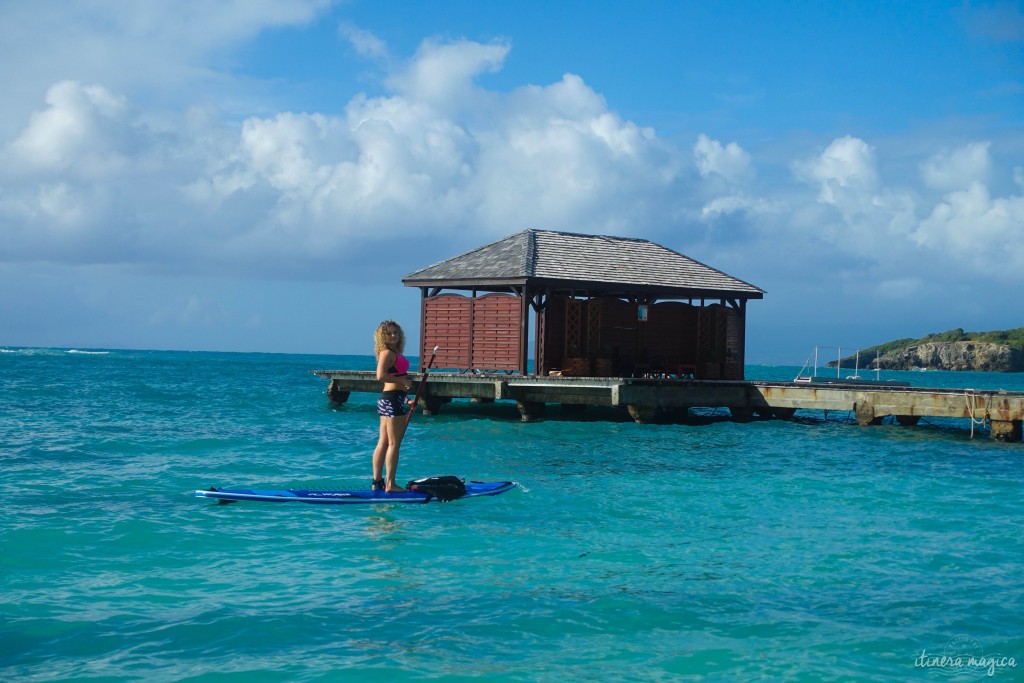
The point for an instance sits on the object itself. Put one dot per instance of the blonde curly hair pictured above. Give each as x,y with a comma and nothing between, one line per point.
380,341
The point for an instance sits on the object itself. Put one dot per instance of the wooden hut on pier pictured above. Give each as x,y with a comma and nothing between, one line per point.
602,306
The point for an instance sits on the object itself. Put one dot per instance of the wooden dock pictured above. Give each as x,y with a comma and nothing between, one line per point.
649,400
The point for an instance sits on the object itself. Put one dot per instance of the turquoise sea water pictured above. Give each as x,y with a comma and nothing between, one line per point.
810,549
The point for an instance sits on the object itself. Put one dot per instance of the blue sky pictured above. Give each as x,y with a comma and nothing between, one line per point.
259,176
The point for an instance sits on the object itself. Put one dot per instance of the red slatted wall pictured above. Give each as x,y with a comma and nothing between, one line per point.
447,323
496,332
477,334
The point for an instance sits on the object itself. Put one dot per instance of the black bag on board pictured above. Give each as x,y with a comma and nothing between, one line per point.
444,488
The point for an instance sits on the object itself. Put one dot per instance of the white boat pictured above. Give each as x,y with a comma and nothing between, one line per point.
855,378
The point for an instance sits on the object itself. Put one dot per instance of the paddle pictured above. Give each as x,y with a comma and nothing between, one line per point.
419,390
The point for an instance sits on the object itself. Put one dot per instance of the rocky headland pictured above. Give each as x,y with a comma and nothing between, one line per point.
935,353
972,356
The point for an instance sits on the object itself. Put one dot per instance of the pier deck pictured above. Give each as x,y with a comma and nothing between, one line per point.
649,400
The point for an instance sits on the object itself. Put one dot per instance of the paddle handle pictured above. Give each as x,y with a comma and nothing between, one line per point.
419,390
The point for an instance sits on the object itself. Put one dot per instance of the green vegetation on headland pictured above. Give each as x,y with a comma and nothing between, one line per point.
998,351
1012,338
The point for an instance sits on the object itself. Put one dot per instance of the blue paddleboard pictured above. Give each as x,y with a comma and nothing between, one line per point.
474,489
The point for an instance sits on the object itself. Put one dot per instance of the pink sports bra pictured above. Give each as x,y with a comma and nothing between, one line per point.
400,368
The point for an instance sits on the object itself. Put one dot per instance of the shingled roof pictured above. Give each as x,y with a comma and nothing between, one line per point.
598,264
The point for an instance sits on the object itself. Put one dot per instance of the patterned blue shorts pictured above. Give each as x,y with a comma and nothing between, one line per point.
391,404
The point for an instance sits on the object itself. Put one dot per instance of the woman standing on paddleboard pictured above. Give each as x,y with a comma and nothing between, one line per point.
393,370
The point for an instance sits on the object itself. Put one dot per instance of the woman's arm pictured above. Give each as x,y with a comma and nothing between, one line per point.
385,359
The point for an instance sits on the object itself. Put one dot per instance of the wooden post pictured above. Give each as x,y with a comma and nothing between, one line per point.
642,414
423,327
432,404
530,410
741,413
335,394
524,329
1006,430
865,414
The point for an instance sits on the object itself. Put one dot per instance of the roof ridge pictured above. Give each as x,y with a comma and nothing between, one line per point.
530,253
591,235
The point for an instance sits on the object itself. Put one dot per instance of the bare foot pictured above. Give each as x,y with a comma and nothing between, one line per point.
394,488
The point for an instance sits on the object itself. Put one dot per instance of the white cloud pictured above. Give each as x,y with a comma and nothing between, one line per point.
849,217
364,42
85,132
135,48
984,233
730,162
845,168
861,216
284,150
60,206
551,156
95,176
191,192
958,169
739,203
441,74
